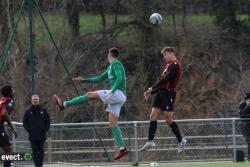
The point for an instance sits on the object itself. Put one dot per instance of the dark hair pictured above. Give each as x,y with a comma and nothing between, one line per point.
247,96
7,91
114,51
168,49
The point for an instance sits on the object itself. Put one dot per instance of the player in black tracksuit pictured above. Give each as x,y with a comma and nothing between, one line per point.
245,124
165,90
36,121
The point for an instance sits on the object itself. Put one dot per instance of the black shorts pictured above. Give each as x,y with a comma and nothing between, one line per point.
164,100
4,139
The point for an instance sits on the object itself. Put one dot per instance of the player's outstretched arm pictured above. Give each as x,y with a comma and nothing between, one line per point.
97,79
147,94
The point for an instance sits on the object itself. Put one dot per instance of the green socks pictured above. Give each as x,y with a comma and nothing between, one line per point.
115,130
76,101
118,136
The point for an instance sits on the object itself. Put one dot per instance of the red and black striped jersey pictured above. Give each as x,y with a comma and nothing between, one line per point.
170,76
6,104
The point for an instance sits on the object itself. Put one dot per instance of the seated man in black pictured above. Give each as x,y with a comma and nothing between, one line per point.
245,124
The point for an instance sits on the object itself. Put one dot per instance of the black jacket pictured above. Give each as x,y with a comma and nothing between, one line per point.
245,124
36,121
244,110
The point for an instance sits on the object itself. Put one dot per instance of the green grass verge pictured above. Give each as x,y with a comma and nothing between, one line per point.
203,164
89,23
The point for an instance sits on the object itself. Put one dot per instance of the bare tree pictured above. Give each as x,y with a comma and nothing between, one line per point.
102,14
174,12
4,27
116,13
72,12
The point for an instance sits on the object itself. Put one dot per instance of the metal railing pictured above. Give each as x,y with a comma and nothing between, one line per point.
208,139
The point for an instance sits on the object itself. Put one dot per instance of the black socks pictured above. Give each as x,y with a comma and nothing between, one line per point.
176,131
152,130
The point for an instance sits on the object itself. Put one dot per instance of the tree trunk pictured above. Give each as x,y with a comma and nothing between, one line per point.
117,11
102,13
8,9
184,14
174,19
248,13
72,12
150,42
86,5
4,29
40,4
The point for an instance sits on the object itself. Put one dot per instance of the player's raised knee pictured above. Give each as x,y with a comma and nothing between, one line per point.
112,124
92,95
153,117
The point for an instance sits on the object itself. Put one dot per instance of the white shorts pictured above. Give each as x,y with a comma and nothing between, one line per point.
115,103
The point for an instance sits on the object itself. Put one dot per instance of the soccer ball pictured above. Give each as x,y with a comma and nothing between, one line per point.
155,19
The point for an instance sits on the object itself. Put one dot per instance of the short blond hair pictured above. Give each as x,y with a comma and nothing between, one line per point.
168,49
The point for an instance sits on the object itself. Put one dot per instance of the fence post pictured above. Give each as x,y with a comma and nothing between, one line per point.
13,143
49,149
234,140
129,143
14,140
226,137
136,142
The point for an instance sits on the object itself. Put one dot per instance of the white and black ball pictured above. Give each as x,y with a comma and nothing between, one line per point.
155,19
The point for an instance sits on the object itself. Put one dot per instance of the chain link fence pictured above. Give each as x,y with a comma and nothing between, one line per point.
207,139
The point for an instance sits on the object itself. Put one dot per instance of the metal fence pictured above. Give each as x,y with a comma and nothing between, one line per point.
207,139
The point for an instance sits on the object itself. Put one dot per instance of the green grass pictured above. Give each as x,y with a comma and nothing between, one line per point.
58,25
192,19
242,17
90,23
203,164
